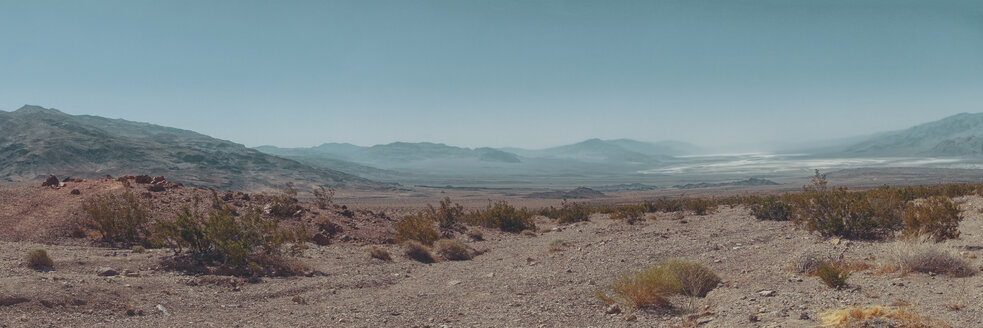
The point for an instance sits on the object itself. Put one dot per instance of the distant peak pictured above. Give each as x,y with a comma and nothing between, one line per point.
30,109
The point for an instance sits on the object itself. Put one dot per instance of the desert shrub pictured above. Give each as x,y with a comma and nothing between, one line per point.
878,316
476,235
664,205
569,212
652,287
380,253
234,241
700,206
503,216
451,250
832,275
323,198
837,212
937,217
284,203
38,259
771,208
417,251
929,258
808,263
416,228
138,249
694,278
445,214
630,214
119,219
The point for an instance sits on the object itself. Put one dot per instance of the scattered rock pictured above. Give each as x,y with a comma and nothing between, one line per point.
804,316
107,272
704,320
453,282
767,293
143,179
490,275
162,309
753,318
299,300
76,192
613,309
346,238
156,188
631,318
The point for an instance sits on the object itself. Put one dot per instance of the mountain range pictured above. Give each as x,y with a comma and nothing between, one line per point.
960,135
36,141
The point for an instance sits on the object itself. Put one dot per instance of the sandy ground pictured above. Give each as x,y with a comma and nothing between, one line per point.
518,282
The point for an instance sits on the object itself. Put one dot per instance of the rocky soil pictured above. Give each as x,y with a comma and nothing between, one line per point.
518,282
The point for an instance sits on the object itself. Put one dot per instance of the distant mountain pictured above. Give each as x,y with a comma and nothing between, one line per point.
36,141
379,161
620,151
959,135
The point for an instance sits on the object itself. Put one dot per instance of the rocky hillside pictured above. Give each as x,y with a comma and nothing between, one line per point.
36,141
959,135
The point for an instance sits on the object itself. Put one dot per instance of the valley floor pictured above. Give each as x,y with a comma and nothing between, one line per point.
518,282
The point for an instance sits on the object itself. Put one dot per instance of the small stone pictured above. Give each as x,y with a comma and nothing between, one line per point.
76,192
613,309
752,318
834,241
162,309
804,316
299,300
631,318
346,238
767,293
490,275
556,229
704,320
453,282
106,272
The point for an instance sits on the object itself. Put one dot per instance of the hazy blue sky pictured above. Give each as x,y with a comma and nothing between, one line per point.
531,73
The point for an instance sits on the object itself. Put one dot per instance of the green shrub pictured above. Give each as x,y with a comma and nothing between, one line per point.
38,259
838,212
417,228
234,241
569,212
630,214
771,208
119,219
832,275
700,206
451,250
446,214
503,216
418,252
937,217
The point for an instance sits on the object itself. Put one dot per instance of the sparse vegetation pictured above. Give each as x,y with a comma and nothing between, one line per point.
380,253
929,258
630,214
38,259
569,212
936,216
118,219
503,216
771,208
700,206
451,250
557,245
653,286
416,228
246,243
878,316
417,251
138,249
445,214
282,204
323,197
834,276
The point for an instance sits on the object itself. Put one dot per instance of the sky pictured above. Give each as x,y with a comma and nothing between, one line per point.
525,73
